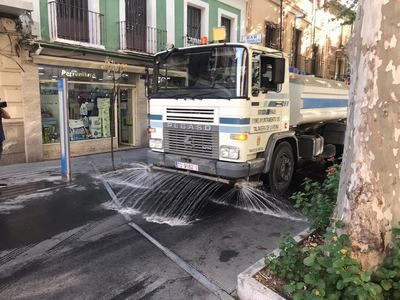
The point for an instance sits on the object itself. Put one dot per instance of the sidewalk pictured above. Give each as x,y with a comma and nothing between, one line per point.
50,171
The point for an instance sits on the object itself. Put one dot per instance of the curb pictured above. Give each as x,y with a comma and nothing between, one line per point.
250,289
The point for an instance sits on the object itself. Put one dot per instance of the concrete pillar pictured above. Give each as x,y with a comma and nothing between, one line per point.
141,138
32,113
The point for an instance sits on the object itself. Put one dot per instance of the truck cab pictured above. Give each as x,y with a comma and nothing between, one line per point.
223,111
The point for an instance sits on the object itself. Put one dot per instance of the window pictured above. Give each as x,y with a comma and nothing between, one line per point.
76,21
135,24
72,20
193,22
231,22
272,32
90,94
206,72
227,24
262,73
255,74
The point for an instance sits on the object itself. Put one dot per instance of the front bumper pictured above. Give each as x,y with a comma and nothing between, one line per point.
212,167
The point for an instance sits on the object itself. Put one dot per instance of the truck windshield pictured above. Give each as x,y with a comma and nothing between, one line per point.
201,72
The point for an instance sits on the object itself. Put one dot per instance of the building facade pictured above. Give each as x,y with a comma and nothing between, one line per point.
306,30
73,39
186,21
18,83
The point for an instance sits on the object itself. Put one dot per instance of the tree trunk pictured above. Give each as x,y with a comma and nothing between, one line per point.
369,192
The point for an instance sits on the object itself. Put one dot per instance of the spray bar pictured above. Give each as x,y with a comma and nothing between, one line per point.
218,179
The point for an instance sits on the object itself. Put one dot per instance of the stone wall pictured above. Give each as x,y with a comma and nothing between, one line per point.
77,148
32,113
141,138
11,91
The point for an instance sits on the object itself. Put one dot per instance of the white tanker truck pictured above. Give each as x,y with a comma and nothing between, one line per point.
232,112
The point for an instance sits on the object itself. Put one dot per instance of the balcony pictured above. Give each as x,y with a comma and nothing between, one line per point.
190,41
75,25
142,38
15,8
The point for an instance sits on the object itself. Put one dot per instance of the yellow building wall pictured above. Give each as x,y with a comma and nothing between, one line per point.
327,32
19,86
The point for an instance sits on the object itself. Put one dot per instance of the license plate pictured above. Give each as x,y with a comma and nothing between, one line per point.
186,166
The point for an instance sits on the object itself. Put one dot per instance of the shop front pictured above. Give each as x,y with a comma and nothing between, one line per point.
91,94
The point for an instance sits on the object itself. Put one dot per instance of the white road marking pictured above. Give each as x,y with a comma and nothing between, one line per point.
216,290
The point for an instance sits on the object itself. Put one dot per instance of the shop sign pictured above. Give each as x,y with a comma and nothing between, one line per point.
78,74
252,38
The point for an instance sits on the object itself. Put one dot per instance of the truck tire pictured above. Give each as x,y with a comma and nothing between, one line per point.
282,168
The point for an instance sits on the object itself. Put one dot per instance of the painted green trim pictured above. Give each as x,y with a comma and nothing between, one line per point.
162,15
178,23
111,34
144,58
44,20
213,18
213,6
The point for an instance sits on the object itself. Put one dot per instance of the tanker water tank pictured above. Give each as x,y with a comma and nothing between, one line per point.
315,99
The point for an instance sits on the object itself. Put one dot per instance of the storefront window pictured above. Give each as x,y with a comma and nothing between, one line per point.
90,94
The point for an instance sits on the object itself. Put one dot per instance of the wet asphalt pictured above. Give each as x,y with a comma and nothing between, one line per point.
61,242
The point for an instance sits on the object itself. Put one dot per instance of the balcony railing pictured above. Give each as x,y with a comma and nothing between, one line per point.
142,38
73,23
190,41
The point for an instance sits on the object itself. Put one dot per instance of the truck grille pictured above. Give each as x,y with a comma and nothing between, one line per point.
202,115
191,139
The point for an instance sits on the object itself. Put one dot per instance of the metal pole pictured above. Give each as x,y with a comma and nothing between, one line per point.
314,49
281,29
64,129
293,41
113,120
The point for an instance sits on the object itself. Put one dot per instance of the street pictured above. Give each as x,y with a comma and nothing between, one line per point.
60,241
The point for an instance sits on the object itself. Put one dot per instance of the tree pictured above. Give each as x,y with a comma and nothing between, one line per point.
346,10
369,191
115,70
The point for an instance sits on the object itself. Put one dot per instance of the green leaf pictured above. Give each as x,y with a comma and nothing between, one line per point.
289,288
373,288
366,276
340,285
309,261
300,285
340,224
309,279
386,284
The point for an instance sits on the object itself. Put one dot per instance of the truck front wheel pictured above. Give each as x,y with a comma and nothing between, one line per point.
282,168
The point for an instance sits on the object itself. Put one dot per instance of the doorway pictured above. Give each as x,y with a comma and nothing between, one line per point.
126,113
297,48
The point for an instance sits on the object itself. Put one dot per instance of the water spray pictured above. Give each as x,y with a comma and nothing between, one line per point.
243,184
179,197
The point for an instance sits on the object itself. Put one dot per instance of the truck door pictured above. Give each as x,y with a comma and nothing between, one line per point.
268,103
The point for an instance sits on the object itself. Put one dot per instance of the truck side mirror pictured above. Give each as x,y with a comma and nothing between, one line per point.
272,73
278,71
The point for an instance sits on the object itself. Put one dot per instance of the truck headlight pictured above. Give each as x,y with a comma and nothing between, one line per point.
155,143
234,153
230,152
